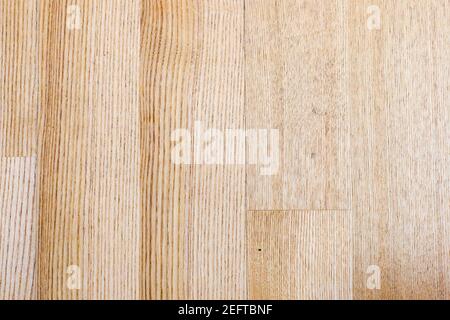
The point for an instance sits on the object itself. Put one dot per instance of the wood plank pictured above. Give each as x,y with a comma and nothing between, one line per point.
295,82
440,93
89,189
89,150
299,254
18,119
18,77
193,216
18,228
400,206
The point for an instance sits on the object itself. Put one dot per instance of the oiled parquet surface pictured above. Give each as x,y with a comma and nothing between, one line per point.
94,95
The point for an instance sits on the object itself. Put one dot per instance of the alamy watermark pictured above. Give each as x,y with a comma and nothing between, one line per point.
373,281
74,277
210,146
374,18
73,20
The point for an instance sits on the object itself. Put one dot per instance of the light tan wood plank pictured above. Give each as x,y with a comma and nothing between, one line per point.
439,16
398,149
89,151
299,254
18,228
295,82
193,216
87,177
164,107
18,77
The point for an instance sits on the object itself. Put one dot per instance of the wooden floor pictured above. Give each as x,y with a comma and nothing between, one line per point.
93,207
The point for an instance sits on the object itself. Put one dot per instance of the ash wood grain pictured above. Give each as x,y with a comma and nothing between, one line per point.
193,217
18,228
439,15
89,150
296,82
87,179
18,120
299,254
18,77
163,107
400,149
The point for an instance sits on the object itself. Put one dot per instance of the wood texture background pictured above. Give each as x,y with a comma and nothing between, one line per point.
86,176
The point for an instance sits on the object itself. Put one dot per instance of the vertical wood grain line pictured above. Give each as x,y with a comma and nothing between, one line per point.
299,254
18,77
439,29
398,153
217,255
18,228
295,63
18,121
192,215
89,150
168,31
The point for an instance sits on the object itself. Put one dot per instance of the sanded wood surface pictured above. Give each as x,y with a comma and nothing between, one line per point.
19,77
296,82
18,228
193,217
89,151
94,94
299,254
399,98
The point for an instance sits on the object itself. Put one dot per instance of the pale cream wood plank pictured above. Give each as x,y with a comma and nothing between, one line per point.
89,151
439,16
295,82
167,29
18,228
397,95
193,216
18,115
364,120
18,77
299,254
